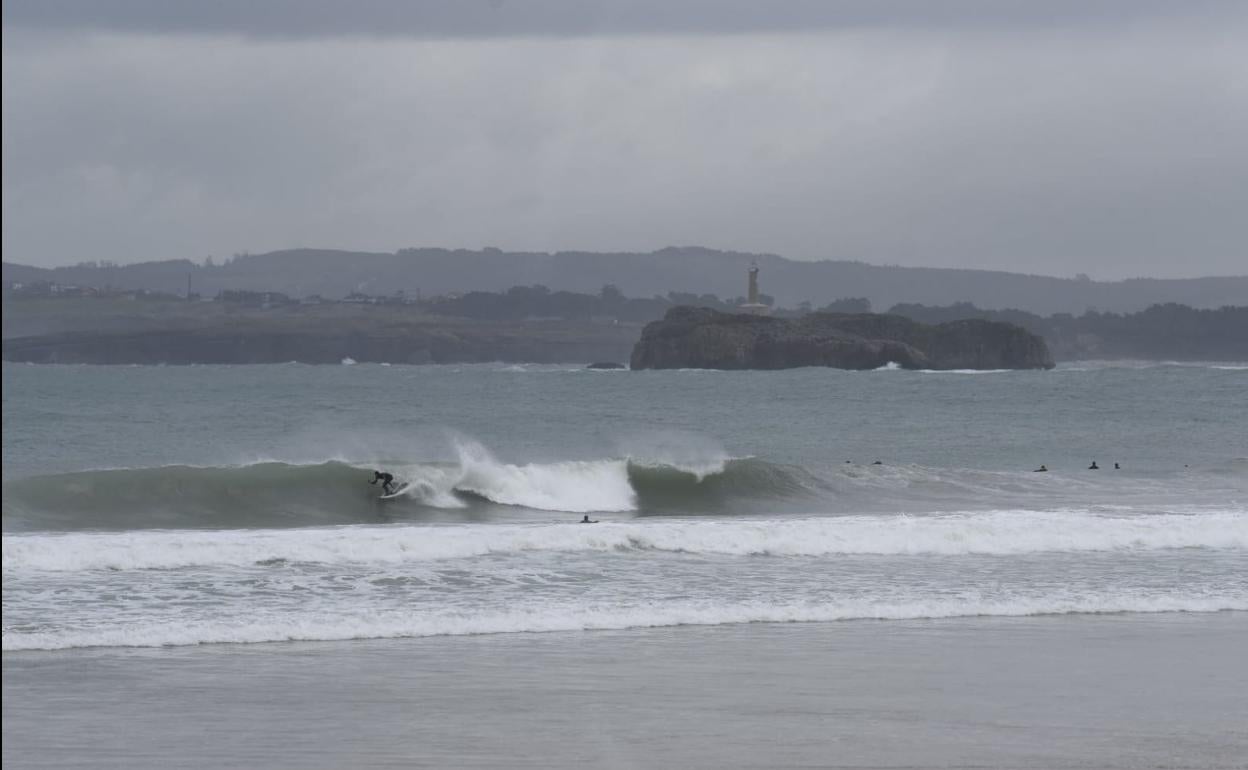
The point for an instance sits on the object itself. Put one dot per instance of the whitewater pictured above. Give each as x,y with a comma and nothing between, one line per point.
994,532
886,495
448,579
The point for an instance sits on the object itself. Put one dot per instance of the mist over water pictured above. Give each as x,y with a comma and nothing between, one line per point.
172,506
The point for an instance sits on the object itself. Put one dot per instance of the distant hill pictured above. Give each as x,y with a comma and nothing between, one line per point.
534,324
304,272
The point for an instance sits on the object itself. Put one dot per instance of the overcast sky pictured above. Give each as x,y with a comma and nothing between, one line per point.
1045,136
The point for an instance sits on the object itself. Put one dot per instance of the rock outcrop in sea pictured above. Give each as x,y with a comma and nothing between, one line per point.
701,338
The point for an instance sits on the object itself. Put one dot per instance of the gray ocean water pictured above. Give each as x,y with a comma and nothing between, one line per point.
197,572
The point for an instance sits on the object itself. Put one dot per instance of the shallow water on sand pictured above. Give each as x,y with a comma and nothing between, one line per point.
1078,692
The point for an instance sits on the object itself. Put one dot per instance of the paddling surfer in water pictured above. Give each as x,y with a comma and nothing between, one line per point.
386,479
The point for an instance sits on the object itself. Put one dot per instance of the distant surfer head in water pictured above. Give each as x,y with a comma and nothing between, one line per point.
587,521
1094,466
1042,469
386,479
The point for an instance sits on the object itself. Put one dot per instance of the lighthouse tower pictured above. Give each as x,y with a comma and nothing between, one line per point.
752,305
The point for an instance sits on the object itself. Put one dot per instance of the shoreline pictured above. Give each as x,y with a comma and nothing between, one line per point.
1073,691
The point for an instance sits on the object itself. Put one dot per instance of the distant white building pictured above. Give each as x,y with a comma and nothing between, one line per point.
752,305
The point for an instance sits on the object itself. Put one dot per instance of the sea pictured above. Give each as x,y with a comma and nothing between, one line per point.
802,568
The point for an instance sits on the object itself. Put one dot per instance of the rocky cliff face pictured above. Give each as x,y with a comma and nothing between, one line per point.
700,338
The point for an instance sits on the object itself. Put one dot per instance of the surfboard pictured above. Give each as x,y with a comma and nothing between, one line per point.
396,493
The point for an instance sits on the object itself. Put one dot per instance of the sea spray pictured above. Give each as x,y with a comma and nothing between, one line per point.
577,487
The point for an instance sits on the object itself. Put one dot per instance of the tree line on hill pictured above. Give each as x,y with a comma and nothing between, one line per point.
1163,331
537,302
1167,331
428,271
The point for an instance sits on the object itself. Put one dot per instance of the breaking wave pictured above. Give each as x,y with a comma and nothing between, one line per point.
551,617
654,483
992,533
275,494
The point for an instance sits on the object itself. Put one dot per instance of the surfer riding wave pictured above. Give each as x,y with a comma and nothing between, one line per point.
387,481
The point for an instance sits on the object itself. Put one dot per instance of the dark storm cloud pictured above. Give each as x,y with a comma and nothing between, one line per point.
503,18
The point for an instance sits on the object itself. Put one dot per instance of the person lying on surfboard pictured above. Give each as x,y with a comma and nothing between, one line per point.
386,479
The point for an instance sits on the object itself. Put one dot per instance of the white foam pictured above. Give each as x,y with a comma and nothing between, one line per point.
893,366
431,485
993,533
548,617
576,487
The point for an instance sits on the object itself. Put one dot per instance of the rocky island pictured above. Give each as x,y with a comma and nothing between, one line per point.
701,338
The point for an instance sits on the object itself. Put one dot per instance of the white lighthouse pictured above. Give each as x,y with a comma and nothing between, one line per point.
752,305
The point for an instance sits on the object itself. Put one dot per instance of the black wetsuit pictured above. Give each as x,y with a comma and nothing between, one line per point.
386,479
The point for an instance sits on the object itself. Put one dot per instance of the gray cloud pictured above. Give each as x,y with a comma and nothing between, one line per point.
543,18
1111,146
